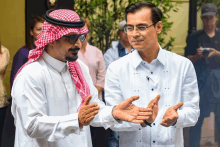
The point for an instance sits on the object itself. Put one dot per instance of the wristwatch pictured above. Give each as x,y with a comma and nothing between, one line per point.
146,124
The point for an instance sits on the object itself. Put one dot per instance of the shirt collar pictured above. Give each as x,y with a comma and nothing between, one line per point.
56,64
161,55
137,58
120,46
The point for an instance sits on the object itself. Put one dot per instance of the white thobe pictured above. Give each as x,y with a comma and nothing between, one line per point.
45,101
170,75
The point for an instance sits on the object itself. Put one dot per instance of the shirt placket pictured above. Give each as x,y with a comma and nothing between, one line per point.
136,92
69,89
153,92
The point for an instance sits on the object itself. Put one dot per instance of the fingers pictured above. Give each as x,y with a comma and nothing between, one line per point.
133,98
151,104
169,121
177,106
145,113
142,117
145,110
88,120
87,100
138,121
91,106
92,109
154,102
92,114
89,117
157,99
165,124
199,51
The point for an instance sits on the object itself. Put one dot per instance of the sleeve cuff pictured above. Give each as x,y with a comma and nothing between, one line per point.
180,120
109,120
70,126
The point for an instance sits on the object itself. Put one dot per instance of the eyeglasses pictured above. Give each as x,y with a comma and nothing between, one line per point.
140,28
73,38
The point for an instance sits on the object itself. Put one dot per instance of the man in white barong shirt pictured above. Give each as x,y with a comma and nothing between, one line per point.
146,72
51,102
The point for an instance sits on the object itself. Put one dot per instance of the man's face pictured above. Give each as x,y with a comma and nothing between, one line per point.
209,21
123,36
65,51
142,39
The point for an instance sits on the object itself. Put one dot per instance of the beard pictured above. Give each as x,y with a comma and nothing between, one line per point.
74,52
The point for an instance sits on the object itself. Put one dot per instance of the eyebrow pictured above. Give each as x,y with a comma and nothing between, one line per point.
140,24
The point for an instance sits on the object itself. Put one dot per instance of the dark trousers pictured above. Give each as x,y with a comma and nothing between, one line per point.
99,136
8,136
195,132
2,120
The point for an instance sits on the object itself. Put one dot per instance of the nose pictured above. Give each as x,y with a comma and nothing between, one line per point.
136,33
78,43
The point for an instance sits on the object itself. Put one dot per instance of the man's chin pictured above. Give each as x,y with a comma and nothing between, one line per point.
72,59
138,47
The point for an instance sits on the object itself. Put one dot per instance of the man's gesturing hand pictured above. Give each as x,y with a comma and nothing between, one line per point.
171,115
129,112
87,112
153,105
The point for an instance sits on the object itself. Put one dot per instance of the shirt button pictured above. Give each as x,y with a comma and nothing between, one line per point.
153,141
72,131
154,124
151,72
152,89
147,78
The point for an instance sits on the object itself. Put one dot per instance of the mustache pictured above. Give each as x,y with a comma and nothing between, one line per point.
74,49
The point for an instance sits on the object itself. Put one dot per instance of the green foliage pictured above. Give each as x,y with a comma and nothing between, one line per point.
104,16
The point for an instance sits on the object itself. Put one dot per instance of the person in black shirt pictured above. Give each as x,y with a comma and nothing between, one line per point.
202,46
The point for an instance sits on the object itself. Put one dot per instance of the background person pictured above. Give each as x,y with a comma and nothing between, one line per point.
20,58
119,48
93,58
199,47
4,60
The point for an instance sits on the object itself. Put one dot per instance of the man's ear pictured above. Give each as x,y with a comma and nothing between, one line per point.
118,33
88,35
159,27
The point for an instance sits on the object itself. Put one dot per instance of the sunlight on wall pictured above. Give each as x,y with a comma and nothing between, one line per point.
12,30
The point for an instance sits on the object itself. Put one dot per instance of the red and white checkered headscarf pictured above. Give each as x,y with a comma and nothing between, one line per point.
51,33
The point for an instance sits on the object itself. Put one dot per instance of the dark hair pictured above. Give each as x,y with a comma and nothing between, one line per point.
34,21
86,23
156,14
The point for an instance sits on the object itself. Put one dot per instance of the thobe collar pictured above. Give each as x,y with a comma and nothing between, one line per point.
137,58
54,63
